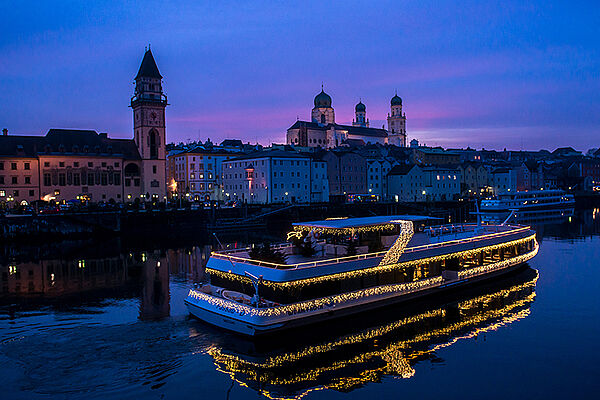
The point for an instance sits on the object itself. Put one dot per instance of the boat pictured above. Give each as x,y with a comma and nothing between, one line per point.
356,264
525,200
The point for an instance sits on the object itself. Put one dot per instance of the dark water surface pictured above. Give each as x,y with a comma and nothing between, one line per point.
96,320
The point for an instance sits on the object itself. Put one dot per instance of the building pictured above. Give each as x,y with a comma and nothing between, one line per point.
415,183
68,164
275,176
322,131
197,173
396,123
503,180
474,178
346,172
434,156
377,170
148,104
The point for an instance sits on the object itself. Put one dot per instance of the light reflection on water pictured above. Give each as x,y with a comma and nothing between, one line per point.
99,320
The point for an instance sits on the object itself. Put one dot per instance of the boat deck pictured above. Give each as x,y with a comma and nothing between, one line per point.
432,237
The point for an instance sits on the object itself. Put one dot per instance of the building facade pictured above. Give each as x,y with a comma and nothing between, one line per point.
346,173
275,176
197,173
415,183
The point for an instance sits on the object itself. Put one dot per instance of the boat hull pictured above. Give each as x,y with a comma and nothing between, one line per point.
251,325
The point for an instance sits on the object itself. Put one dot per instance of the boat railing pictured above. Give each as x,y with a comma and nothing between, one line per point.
498,231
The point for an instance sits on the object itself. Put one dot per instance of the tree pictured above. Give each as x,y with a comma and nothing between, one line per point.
351,249
266,253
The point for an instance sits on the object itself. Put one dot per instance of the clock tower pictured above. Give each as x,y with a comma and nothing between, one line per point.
148,104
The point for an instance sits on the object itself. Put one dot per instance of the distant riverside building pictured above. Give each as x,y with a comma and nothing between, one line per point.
347,173
434,156
275,176
67,164
415,183
197,172
322,131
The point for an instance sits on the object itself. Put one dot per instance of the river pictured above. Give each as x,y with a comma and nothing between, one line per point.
105,320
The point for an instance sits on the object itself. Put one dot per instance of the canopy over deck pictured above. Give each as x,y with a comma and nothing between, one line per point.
357,223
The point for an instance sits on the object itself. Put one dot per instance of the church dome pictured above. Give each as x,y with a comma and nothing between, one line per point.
396,101
360,107
322,100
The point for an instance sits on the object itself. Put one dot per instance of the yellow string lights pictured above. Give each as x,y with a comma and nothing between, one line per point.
394,253
367,271
347,231
330,302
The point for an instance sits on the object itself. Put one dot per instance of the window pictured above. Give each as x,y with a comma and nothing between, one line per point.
90,164
117,178
28,180
16,193
76,164
2,193
90,179
104,164
46,164
27,165
31,193
1,166
117,164
47,179
76,180
14,180
62,180
60,164
13,166
154,169
1,180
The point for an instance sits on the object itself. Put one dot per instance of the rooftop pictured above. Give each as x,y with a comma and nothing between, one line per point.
345,223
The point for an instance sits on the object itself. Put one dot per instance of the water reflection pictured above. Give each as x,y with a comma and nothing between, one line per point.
366,348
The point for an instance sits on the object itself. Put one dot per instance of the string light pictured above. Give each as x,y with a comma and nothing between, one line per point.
233,307
394,253
348,231
367,271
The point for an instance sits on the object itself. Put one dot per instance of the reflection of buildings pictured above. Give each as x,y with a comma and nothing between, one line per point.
57,277
189,262
344,362
154,303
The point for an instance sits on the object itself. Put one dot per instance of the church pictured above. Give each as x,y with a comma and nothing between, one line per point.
322,131
69,164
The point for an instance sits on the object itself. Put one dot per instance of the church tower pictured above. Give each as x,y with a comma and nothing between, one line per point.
361,115
148,104
396,123
323,113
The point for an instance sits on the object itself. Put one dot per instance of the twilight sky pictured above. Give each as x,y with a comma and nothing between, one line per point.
480,73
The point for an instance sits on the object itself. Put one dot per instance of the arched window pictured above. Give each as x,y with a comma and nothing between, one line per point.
132,170
153,138
322,118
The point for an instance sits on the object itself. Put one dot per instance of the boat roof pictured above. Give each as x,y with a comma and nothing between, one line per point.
345,223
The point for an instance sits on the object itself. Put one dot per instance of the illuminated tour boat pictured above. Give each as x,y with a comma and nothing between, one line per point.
352,265
528,200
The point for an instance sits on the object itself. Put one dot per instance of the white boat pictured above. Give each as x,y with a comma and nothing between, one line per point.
528,200
396,258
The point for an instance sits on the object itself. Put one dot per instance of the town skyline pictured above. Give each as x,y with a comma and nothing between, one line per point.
489,91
